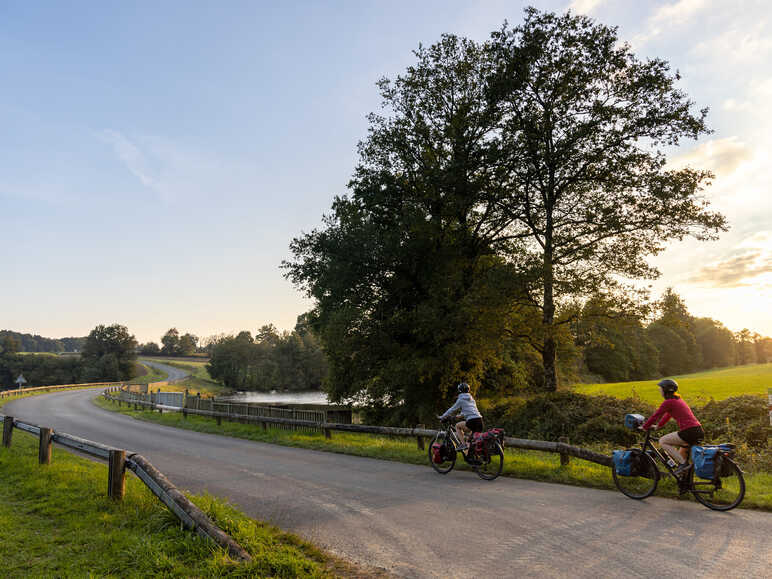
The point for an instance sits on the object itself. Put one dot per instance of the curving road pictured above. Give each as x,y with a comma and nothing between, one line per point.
414,523
173,374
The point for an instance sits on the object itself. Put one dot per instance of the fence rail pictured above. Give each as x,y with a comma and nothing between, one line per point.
563,448
18,391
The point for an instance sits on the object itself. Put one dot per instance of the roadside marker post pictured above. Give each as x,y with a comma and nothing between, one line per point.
769,393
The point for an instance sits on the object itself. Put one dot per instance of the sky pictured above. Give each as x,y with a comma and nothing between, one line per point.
157,158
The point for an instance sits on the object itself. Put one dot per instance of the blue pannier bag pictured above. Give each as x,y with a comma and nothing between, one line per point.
633,421
705,459
625,462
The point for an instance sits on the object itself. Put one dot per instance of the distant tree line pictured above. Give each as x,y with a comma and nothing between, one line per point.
271,360
172,344
619,347
107,354
35,343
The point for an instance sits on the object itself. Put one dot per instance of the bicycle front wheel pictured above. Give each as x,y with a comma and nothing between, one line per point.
644,479
723,492
446,465
491,462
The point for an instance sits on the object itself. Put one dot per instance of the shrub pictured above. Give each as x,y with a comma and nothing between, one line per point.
580,417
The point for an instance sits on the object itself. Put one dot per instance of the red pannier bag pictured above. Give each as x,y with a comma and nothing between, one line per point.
436,453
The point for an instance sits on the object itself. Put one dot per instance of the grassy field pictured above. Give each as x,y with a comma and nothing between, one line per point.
199,380
57,521
518,463
697,388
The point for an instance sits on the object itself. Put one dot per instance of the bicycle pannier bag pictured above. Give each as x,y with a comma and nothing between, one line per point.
625,462
725,468
705,459
437,452
633,421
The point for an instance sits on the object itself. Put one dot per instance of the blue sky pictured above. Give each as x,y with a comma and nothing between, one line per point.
156,158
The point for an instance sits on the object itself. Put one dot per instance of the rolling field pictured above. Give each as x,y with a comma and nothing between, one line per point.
695,388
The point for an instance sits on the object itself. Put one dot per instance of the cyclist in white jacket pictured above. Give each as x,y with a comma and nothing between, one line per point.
466,405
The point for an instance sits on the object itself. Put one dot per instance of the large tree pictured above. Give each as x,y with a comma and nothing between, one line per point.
586,129
109,354
409,276
503,179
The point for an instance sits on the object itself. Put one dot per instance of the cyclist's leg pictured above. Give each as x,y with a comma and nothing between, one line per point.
461,432
672,445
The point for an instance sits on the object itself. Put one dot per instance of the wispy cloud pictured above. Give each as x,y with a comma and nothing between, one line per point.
133,157
749,264
722,156
668,17
178,172
585,6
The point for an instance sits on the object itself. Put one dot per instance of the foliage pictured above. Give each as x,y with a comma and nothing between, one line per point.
581,418
617,346
505,179
585,123
149,349
109,354
35,343
39,370
270,361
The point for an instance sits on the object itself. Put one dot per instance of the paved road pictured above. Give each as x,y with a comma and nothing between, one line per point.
415,523
174,374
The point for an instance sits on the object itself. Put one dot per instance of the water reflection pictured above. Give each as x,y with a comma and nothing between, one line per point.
279,397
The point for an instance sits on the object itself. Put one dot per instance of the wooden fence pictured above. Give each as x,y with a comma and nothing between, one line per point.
225,411
118,461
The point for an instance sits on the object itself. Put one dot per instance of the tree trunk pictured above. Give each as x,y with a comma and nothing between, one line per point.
548,354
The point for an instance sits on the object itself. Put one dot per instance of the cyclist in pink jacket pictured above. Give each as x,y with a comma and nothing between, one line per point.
690,432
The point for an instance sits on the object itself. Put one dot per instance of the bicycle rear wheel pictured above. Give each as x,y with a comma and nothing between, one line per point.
644,480
723,492
491,462
447,463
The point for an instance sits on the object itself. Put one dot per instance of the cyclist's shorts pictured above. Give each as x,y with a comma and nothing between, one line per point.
692,435
475,424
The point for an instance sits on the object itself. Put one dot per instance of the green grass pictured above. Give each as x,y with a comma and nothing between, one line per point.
525,464
696,388
199,379
56,521
151,375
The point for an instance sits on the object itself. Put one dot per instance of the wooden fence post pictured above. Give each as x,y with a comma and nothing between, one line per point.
327,433
420,439
564,458
44,450
7,431
116,476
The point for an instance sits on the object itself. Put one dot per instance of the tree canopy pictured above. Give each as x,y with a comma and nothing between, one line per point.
109,354
504,180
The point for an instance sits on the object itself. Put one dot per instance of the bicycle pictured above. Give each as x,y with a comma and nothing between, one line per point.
724,492
486,459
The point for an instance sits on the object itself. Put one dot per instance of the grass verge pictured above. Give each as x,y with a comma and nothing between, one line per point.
57,521
697,388
532,465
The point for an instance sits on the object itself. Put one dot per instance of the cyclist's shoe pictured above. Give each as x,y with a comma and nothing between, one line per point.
682,470
462,447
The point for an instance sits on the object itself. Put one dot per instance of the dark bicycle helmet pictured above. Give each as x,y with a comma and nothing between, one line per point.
463,387
668,386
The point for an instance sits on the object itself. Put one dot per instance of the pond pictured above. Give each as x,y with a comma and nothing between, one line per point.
279,397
